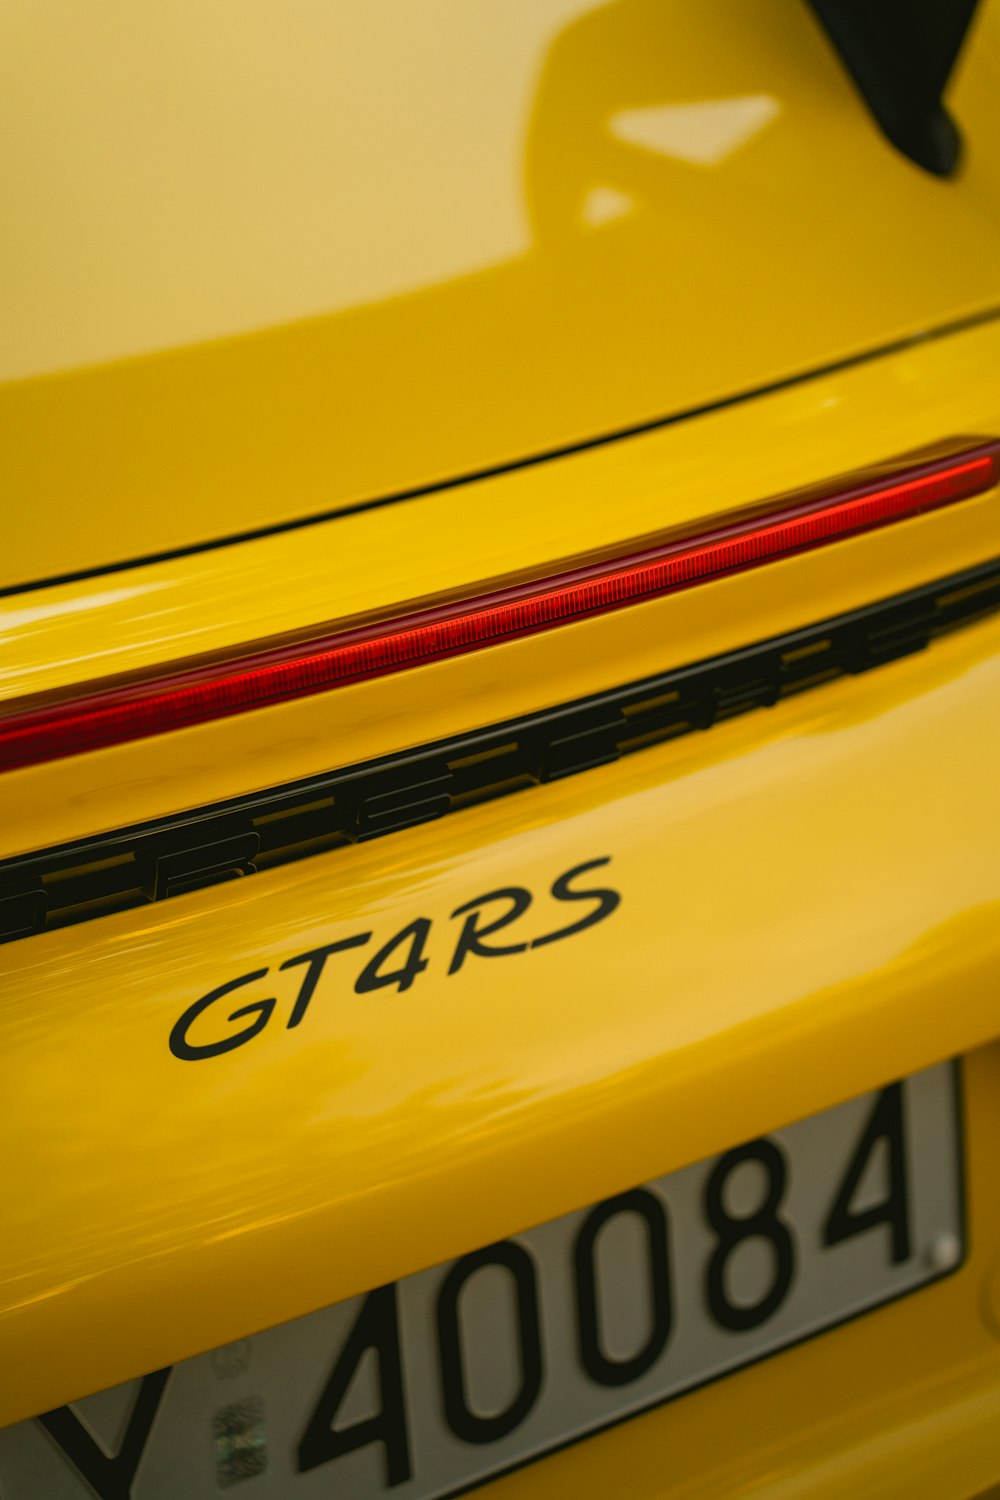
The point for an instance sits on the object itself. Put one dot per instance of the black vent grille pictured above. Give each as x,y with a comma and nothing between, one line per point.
232,840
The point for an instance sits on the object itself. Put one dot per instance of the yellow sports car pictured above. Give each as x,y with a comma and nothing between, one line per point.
500,480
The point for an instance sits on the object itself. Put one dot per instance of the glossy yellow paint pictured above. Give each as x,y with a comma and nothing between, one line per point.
261,262
810,904
467,537
336,258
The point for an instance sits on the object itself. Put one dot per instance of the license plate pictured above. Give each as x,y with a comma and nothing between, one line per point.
430,1386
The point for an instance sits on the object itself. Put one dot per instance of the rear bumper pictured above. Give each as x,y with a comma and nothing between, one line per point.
810,906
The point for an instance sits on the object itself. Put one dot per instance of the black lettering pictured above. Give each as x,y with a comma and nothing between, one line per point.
607,900
316,960
599,1365
109,1478
188,1052
885,1123
763,1224
376,1327
415,934
464,1422
470,939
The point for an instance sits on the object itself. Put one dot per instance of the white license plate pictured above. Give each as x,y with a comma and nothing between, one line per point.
432,1385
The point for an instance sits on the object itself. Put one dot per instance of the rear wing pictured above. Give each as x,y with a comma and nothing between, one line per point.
900,54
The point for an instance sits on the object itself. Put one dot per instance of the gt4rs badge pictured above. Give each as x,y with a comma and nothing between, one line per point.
398,962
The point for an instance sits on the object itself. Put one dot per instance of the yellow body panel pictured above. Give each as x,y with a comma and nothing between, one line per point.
362,251
473,535
261,263
781,944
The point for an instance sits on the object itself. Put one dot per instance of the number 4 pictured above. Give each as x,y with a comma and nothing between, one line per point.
884,1124
376,1328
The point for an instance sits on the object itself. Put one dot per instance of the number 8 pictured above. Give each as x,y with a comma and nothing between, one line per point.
764,1224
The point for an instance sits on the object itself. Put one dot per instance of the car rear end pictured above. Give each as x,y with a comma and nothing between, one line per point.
500,800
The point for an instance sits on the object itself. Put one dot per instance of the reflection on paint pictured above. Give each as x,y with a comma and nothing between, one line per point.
602,204
704,132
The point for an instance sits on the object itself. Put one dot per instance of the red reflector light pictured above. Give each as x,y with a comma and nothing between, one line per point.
111,715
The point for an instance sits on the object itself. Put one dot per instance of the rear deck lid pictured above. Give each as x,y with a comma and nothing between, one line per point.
263,264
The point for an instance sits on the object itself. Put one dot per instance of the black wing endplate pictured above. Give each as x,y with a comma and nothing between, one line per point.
900,54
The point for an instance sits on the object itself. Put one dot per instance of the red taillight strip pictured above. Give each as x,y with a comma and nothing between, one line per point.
113,714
